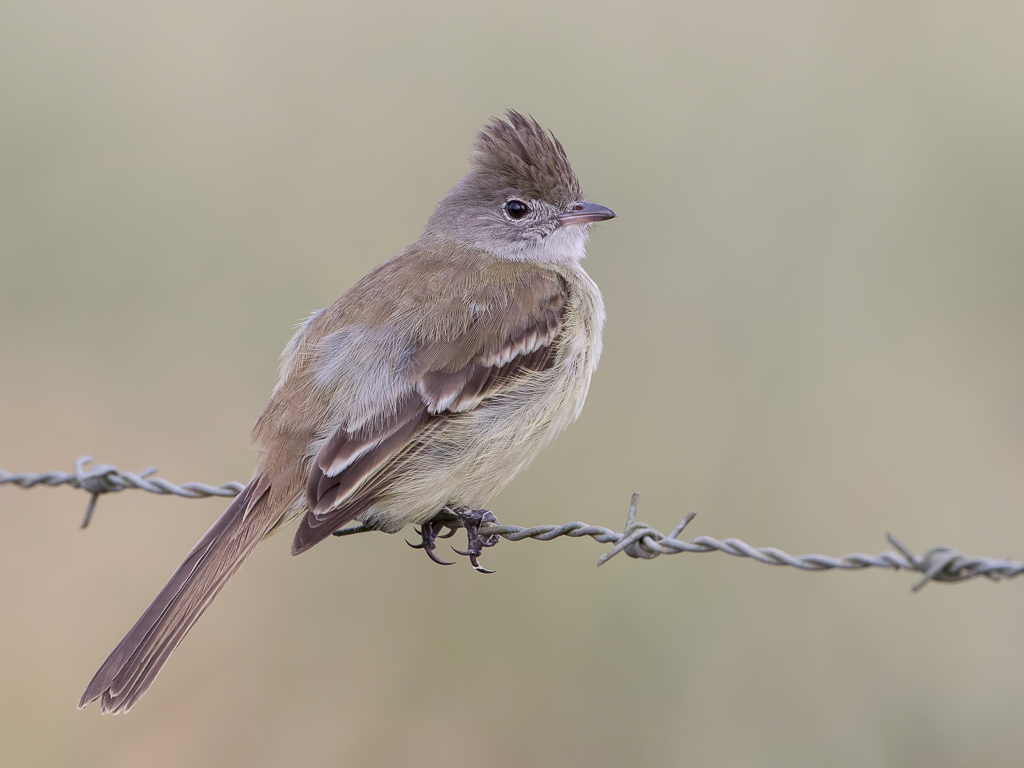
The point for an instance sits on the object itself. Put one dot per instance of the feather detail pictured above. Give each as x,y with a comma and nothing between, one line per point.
134,664
442,384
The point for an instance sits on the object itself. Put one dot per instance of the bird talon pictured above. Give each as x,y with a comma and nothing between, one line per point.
453,518
428,534
476,564
436,559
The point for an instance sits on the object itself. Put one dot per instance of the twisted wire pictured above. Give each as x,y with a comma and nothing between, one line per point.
638,540
106,478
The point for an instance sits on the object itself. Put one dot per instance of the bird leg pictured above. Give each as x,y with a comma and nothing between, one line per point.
471,520
454,518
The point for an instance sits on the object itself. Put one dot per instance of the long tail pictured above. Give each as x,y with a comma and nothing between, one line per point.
134,664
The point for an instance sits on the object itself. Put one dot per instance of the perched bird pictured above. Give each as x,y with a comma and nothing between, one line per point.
416,396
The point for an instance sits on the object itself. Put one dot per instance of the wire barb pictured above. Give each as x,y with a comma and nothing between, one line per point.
106,478
638,540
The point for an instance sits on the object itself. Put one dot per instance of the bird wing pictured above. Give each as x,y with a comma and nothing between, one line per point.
443,374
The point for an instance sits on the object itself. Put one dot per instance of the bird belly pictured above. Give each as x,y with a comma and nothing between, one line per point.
467,458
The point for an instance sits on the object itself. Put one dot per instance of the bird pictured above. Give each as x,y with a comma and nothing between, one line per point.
416,396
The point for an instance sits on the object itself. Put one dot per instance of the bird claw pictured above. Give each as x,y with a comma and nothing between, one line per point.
471,520
436,559
476,564
419,532
428,533
454,518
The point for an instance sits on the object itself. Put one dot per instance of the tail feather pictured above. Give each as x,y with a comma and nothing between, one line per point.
134,664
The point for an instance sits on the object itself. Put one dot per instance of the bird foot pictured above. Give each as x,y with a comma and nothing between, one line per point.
430,532
454,518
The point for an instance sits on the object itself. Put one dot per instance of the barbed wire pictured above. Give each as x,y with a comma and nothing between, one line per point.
637,540
106,478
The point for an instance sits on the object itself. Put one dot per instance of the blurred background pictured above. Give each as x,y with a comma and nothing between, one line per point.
815,291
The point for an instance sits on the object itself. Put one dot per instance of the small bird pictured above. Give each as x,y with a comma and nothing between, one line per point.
416,396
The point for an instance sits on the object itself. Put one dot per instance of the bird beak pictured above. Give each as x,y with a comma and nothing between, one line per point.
585,213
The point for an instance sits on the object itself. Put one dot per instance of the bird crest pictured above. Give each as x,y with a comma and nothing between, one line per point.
527,158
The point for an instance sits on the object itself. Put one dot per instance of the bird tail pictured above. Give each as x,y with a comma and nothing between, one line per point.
134,664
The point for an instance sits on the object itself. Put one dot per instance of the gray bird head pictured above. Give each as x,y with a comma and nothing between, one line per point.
521,199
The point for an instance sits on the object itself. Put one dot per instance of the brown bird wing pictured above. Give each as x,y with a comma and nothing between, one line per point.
352,470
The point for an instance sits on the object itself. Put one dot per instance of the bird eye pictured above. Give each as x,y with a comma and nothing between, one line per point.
516,209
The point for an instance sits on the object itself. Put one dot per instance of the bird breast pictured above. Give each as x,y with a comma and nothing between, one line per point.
473,455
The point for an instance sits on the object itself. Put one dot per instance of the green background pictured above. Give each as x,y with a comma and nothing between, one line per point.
815,291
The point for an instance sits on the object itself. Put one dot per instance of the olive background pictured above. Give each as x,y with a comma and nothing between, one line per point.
815,294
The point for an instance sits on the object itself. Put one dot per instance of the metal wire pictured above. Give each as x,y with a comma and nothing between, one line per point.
106,478
637,540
